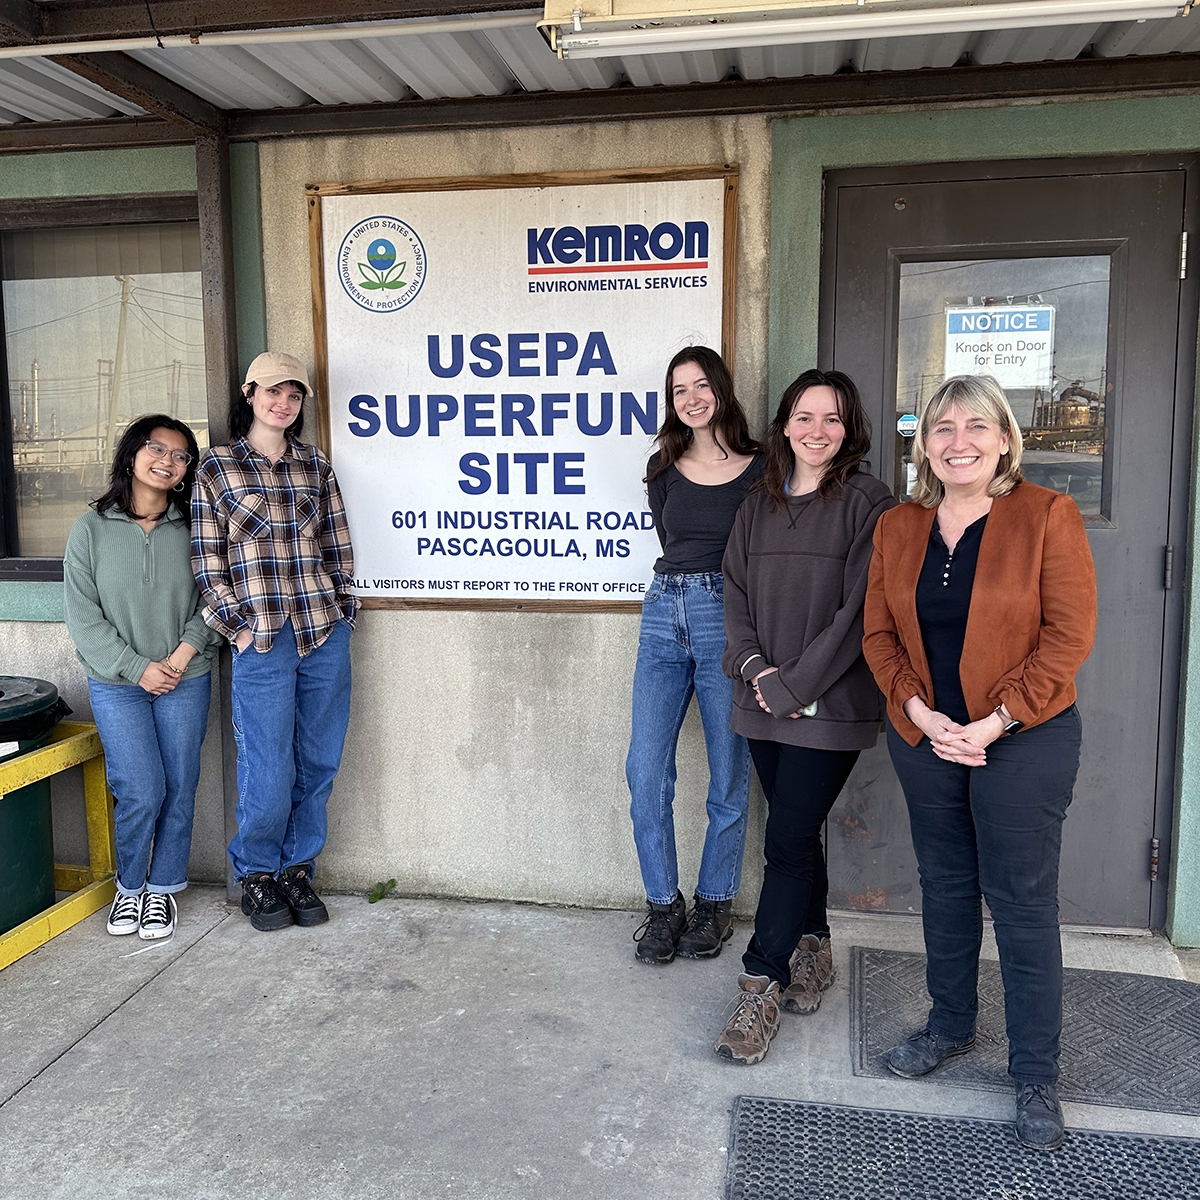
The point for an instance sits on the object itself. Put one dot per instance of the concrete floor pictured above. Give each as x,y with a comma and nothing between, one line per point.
413,1048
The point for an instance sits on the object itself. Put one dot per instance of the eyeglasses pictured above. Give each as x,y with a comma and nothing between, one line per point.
158,450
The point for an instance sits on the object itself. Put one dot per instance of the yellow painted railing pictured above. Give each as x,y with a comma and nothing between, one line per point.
72,744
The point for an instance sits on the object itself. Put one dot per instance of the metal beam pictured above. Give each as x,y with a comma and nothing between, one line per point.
31,137
20,21
812,93
877,89
214,196
80,20
127,78
58,212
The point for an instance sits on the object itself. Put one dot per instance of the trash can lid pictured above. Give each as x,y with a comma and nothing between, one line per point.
23,697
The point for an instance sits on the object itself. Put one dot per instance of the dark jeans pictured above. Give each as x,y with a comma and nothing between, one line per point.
995,831
800,786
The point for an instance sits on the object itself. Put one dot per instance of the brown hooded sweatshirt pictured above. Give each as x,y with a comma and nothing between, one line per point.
795,580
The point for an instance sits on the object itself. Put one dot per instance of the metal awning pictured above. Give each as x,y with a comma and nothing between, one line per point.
73,61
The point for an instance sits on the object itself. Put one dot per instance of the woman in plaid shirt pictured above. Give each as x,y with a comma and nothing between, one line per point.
272,556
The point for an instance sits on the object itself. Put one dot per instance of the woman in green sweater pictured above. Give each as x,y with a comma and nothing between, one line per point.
133,611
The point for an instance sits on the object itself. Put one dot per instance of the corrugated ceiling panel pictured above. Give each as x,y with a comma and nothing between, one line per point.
332,72
910,53
706,66
84,87
1032,45
446,64
538,69
1149,37
42,91
790,62
227,77
8,117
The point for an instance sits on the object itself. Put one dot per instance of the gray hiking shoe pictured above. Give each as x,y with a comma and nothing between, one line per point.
755,1021
812,973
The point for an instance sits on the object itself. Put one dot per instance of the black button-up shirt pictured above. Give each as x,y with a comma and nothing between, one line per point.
943,602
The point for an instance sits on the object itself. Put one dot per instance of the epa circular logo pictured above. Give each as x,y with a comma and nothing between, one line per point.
381,264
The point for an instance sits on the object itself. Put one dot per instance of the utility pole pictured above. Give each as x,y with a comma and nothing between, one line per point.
114,396
37,420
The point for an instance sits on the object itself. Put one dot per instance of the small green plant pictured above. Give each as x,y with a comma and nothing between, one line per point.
380,890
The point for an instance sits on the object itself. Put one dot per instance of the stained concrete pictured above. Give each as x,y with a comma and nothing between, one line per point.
418,1048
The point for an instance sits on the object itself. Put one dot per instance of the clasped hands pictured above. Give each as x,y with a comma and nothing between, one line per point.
161,677
965,744
158,678
758,695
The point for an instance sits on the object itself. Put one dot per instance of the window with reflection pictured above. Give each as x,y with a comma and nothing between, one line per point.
101,325
1040,327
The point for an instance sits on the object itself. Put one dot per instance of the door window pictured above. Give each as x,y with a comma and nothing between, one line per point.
1040,327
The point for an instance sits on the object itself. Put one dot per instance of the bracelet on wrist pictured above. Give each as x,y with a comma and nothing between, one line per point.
166,662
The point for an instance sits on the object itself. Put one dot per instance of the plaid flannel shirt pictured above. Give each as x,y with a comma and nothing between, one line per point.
270,542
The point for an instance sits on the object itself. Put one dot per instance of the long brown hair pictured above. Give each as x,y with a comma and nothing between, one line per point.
781,460
728,423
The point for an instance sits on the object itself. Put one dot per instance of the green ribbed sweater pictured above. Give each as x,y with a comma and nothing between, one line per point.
131,597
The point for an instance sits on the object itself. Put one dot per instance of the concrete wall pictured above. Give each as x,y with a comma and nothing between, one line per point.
486,752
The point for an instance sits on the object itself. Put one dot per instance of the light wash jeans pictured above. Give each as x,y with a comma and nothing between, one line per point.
289,718
679,652
152,758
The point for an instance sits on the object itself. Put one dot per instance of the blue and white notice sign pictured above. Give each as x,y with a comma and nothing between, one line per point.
1012,343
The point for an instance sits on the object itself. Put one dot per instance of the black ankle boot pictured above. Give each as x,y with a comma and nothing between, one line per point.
658,935
709,927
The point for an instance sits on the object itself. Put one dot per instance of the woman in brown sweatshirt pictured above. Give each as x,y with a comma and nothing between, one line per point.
981,608
795,577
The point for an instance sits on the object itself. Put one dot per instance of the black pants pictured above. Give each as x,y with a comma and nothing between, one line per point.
995,831
800,785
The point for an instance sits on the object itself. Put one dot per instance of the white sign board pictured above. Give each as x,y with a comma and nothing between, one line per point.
1014,344
494,377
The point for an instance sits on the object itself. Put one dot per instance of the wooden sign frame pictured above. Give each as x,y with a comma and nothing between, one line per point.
463,183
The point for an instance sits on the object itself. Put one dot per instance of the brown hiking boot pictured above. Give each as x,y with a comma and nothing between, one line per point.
812,973
658,935
709,927
754,1023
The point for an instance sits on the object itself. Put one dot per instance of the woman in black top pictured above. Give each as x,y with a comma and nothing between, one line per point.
698,477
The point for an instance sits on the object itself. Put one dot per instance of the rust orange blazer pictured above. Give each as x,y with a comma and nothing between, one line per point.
1032,618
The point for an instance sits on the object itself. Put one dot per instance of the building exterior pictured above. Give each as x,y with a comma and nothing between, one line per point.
886,183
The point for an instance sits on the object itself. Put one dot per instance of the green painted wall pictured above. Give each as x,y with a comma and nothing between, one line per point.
250,290
803,148
28,601
98,173
84,173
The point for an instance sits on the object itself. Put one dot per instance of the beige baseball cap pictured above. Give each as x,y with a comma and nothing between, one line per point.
270,368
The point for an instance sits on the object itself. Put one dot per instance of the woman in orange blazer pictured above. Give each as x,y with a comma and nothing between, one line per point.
981,607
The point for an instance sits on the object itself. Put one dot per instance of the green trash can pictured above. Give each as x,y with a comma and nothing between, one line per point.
29,711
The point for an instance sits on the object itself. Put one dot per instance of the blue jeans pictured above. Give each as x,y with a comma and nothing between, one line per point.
994,831
679,652
152,758
289,718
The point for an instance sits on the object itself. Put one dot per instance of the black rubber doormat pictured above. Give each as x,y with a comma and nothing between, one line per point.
792,1150
1129,1041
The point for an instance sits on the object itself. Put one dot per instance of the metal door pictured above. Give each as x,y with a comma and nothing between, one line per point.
1064,281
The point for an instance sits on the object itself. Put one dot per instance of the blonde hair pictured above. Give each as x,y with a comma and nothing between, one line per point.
981,396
